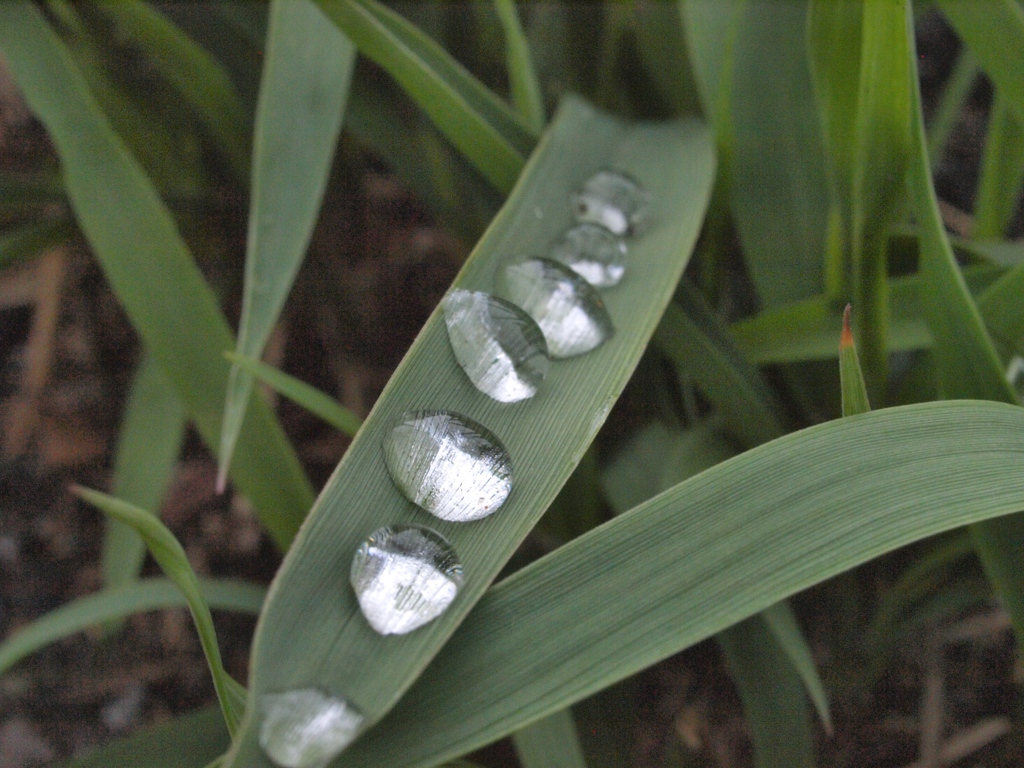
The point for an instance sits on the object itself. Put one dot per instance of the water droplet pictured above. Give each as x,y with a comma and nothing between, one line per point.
1015,375
448,464
566,307
593,252
613,200
404,577
306,728
498,345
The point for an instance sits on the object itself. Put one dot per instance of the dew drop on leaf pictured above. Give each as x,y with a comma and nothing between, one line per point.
595,253
306,728
448,464
613,200
403,577
567,308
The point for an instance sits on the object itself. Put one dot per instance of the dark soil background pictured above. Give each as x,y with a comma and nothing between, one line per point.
377,266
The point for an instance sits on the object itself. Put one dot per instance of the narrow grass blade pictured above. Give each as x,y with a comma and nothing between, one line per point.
310,398
148,445
773,699
1002,171
27,241
196,75
550,743
526,93
951,103
147,263
781,622
693,561
965,358
312,629
306,77
172,560
851,378
149,594
479,124
187,741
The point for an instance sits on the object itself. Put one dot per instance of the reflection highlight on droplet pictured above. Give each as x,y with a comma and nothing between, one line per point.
567,308
306,728
404,577
594,253
448,464
498,345
613,200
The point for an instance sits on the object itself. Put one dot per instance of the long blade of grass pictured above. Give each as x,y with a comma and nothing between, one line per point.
851,377
171,558
310,398
965,357
476,121
196,75
306,77
1002,171
526,93
144,258
951,103
149,594
148,445
693,561
314,624
550,743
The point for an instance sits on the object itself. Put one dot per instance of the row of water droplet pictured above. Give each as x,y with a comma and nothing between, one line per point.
455,468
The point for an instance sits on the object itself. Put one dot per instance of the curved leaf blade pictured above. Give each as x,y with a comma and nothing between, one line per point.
526,93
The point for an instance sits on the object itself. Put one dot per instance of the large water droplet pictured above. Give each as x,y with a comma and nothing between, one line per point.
306,728
498,345
566,307
613,200
448,464
404,577
594,253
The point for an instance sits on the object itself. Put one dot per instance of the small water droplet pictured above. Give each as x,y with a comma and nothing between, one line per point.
566,307
404,576
499,346
593,252
613,200
306,728
453,467
1015,375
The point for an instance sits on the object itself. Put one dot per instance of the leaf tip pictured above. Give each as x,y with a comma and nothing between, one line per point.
846,340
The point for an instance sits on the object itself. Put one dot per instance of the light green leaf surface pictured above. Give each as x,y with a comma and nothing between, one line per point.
310,398
693,561
152,271
476,121
965,357
851,377
312,622
526,93
171,558
148,445
307,72
149,594
1002,171
550,743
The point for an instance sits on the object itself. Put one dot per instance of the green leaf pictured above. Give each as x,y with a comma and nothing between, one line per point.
314,623
479,124
310,398
196,75
1002,171
306,77
958,88
171,558
148,445
29,240
692,561
526,93
149,266
149,594
550,743
851,378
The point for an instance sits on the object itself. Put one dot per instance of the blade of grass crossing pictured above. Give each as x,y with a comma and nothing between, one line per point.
693,561
473,118
951,103
1002,171
307,73
550,743
310,398
312,626
772,696
172,559
526,93
851,378
782,624
149,594
147,263
147,451
965,357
